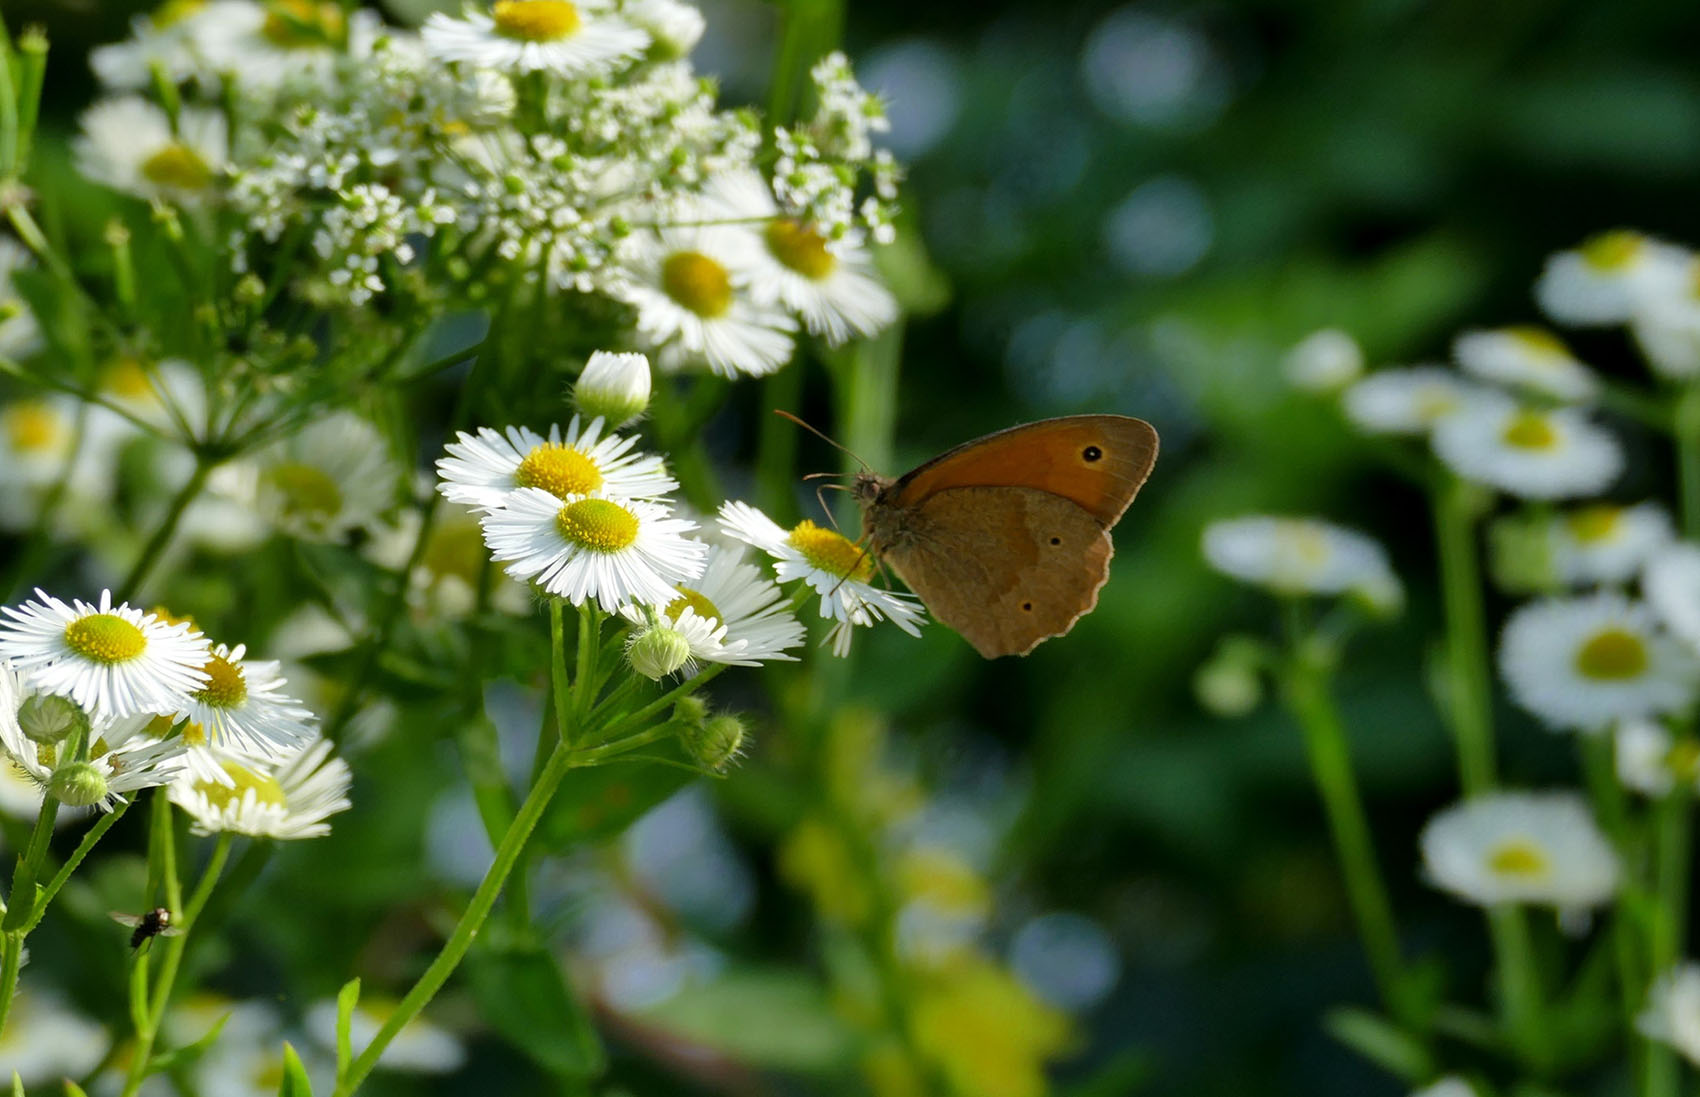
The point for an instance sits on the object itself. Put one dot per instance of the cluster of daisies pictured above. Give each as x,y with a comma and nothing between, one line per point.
585,516
562,141
98,701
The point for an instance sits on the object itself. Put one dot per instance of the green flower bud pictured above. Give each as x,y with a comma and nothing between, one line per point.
78,785
48,718
715,742
613,386
658,651
1520,556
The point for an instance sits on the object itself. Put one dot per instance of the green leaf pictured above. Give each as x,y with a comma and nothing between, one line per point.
188,1054
72,1089
1381,1042
17,1085
772,1018
522,994
295,1082
346,999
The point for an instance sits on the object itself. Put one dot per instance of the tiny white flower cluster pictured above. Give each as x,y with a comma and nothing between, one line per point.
566,142
100,700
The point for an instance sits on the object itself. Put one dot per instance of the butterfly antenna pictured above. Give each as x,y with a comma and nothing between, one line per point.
818,434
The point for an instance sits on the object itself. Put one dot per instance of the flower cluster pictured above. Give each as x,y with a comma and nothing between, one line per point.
100,700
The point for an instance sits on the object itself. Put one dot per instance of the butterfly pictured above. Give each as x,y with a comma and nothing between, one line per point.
1007,538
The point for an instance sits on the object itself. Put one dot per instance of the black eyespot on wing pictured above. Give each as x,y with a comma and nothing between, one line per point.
1056,540
1091,453
1028,606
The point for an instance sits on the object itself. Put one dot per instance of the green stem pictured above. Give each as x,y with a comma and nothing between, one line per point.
560,690
1469,687
155,548
483,900
1673,840
94,835
776,443
1686,428
1521,998
660,704
590,756
584,677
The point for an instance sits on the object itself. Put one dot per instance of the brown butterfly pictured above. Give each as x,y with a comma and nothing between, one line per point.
1007,538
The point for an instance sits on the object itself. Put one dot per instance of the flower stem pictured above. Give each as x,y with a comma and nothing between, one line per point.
1686,430
1519,983
94,835
155,548
1468,687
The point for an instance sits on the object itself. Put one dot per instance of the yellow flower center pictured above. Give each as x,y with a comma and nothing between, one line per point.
31,426
559,470
455,548
1435,403
105,638
801,248
175,11
599,525
1594,524
693,599
1683,759
124,377
1518,857
179,166
227,685
305,491
166,617
305,24
1612,655
697,282
266,788
536,20
831,551
1529,429
1544,347
1612,251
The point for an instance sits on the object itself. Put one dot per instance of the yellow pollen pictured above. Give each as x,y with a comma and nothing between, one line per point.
697,283
266,789
166,617
1612,251
305,24
536,20
1546,347
227,685
125,377
1518,857
559,470
1593,524
455,548
598,525
801,248
1530,429
1612,655
831,551
30,426
105,638
692,599
179,166
306,491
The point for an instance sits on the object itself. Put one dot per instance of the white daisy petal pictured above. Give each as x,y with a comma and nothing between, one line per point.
1301,556
1519,847
1672,1015
565,37
285,799
482,470
731,613
129,145
1607,279
1528,358
1409,400
1608,543
1528,452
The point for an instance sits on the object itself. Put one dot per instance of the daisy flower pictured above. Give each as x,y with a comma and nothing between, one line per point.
38,447
482,470
1527,358
1652,761
114,661
594,547
1585,663
1528,452
325,480
164,40
731,614
419,1048
833,566
1671,585
1672,1015
565,37
1606,542
1666,326
261,46
128,144
1603,281
831,285
1300,556
19,333
243,704
689,286
1521,847
291,801
1410,400
1323,361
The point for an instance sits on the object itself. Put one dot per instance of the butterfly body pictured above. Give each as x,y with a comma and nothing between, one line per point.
1006,538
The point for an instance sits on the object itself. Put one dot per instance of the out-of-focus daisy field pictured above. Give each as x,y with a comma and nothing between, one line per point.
427,666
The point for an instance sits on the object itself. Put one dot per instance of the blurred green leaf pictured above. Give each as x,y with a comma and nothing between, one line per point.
523,995
1381,1042
189,1054
346,999
295,1082
770,1018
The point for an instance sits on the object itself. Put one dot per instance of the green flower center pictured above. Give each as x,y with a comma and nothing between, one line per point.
305,491
599,525
179,166
1594,524
801,248
105,638
266,788
831,551
305,24
1612,655
1529,429
692,599
697,283
227,686
1612,251
1518,857
559,470
31,426
1543,345
455,548
536,20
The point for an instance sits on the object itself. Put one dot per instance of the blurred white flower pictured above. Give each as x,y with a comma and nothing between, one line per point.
1671,585
674,28
1666,326
285,799
1408,400
1606,279
40,445
419,1048
1672,1015
445,581
335,475
45,1041
1585,663
1324,361
1302,556
19,334
1527,358
1607,542
1528,452
1521,847
1652,761
130,145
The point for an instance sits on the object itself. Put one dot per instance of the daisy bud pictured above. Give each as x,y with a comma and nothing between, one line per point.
78,785
716,741
614,387
1227,687
1324,361
48,718
657,652
691,712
